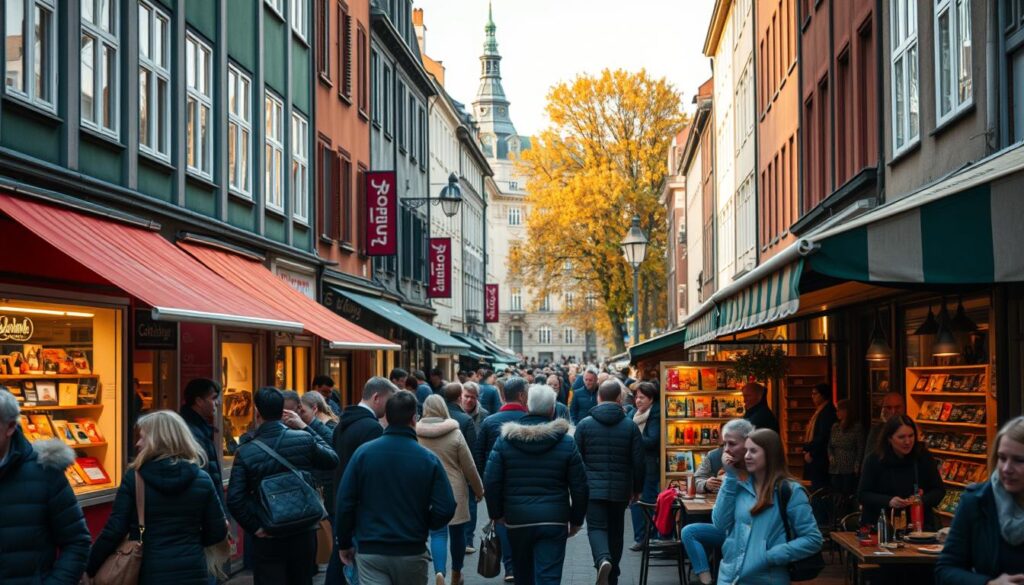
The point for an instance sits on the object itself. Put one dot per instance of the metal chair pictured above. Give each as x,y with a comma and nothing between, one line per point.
667,549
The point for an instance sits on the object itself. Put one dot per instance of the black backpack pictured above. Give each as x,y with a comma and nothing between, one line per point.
288,502
806,569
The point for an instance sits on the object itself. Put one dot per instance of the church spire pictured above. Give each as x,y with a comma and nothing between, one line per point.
491,106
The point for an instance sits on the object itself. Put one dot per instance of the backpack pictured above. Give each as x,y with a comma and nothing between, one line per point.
288,504
806,569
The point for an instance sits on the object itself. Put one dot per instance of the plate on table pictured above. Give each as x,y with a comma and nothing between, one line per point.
921,537
931,549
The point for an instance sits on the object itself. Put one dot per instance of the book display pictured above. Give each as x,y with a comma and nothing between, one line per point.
796,407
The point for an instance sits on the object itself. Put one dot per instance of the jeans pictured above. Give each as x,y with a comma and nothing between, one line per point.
439,540
606,523
697,539
538,553
471,525
649,495
506,548
286,560
388,570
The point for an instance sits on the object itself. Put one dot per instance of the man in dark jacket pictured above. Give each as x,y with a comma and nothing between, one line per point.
489,397
756,407
325,386
536,486
377,508
613,453
41,515
819,436
437,382
585,398
198,411
287,558
423,389
453,396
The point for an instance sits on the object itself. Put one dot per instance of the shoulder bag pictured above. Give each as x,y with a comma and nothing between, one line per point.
805,569
123,566
288,503
489,563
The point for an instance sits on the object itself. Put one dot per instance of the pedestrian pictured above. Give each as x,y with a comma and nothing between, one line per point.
201,397
43,537
471,406
490,399
438,432
708,476
845,450
586,397
291,400
490,430
437,382
613,454
648,419
393,494
359,424
423,389
536,486
183,513
757,549
325,386
899,465
397,377
277,558
700,538
986,540
561,410
893,404
756,408
453,397
817,436
313,411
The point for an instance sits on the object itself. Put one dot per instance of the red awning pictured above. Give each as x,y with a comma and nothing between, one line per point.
264,286
146,266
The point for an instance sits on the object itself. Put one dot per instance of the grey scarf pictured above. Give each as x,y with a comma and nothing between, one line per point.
1009,513
640,418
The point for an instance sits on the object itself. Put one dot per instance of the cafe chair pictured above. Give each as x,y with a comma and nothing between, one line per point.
670,549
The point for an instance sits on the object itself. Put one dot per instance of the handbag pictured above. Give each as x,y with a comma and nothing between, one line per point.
489,563
123,565
805,569
324,542
288,503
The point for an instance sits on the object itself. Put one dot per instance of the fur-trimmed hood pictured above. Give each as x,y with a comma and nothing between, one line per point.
53,454
433,427
535,434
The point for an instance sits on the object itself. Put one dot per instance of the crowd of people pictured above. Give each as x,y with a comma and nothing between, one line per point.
550,450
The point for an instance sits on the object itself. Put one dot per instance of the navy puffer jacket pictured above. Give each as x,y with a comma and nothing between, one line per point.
40,516
613,453
535,474
183,516
490,431
582,401
652,445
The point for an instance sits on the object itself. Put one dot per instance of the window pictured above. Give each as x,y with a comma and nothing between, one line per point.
905,106
99,68
300,168
744,126
198,107
544,335
513,185
569,336
345,53
323,39
844,118
374,78
952,57
514,217
31,49
422,138
300,17
545,303
277,5
570,300
364,87
591,300
345,229
517,299
412,124
387,102
239,131
325,189
401,114
746,225
273,163
154,81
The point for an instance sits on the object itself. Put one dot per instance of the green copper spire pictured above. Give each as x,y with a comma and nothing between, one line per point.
490,40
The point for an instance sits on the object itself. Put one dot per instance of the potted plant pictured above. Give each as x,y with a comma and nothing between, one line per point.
761,363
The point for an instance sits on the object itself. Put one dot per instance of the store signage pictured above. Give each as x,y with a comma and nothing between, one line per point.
381,214
490,303
343,306
150,334
440,268
16,328
304,283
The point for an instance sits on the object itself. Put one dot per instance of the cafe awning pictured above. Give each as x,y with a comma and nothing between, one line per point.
477,350
397,315
145,265
250,275
676,337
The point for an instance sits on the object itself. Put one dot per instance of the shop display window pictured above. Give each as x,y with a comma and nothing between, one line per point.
63,364
291,364
238,371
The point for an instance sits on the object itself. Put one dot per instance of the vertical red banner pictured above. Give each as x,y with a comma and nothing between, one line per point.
490,303
381,214
440,252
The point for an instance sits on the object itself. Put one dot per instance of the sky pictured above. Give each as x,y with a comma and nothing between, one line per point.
543,42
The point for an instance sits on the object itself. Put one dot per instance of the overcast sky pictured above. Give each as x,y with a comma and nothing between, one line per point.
543,42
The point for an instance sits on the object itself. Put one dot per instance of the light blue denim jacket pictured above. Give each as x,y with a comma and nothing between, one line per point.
756,551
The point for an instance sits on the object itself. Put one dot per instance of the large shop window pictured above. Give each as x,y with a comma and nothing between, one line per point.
63,363
239,368
291,363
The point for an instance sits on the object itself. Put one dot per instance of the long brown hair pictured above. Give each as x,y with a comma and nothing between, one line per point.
775,470
316,400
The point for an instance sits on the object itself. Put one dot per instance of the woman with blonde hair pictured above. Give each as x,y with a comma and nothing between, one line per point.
757,549
183,514
439,432
313,411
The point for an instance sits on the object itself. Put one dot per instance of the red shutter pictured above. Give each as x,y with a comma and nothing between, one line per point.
335,196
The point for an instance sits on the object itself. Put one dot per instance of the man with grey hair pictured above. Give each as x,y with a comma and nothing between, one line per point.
43,537
585,398
536,485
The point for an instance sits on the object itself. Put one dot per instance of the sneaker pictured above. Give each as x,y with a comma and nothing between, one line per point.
470,550
510,578
604,570
636,547
439,579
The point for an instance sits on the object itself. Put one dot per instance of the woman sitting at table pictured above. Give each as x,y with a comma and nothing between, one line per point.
899,466
986,541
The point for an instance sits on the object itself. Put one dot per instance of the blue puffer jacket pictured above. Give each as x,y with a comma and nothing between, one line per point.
756,551
582,401
535,475
490,430
613,453
652,445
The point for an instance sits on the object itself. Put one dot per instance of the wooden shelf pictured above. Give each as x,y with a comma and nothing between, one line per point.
956,394
53,408
943,513
958,454
704,393
955,483
671,447
48,376
952,424
946,368
88,445
695,419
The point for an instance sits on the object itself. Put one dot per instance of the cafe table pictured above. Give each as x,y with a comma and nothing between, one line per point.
878,559
698,506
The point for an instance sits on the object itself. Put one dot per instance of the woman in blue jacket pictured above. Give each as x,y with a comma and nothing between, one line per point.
986,541
756,549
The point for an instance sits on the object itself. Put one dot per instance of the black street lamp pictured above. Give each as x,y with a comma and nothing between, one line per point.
450,198
634,248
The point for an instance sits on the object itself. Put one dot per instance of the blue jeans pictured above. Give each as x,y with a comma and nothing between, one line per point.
439,540
649,495
697,539
471,525
506,548
538,553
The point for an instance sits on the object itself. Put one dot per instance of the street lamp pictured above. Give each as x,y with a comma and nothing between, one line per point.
450,198
634,248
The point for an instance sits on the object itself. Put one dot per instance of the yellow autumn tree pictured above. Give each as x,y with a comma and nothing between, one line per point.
602,161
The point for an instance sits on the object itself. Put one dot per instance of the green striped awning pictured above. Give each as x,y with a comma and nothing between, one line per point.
676,337
702,329
772,298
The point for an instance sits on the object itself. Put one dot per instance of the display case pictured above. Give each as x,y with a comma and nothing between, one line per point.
796,408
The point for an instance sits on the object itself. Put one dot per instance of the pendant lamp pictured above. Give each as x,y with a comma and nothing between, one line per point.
945,343
930,326
878,348
961,322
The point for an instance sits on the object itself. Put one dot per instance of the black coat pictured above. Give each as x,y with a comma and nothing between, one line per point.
183,516
305,450
204,434
972,555
652,445
490,430
466,424
817,470
613,453
325,477
40,516
358,425
762,417
882,479
582,401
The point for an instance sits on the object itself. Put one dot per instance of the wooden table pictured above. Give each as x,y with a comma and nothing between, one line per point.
863,557
699,505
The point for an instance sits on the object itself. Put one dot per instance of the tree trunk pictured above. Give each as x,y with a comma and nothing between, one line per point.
617,322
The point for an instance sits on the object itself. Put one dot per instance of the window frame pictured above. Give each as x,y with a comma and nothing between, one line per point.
569,336
28,92
157,72
277,6
515,216
298,13
902,41
192,92
300,165
544,335
346,80
237,124
362,72
322,40
275,144
112,41
958,105
515,298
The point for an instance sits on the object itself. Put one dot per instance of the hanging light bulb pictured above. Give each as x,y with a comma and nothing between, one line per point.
878,348
945,343
961,322
930,325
